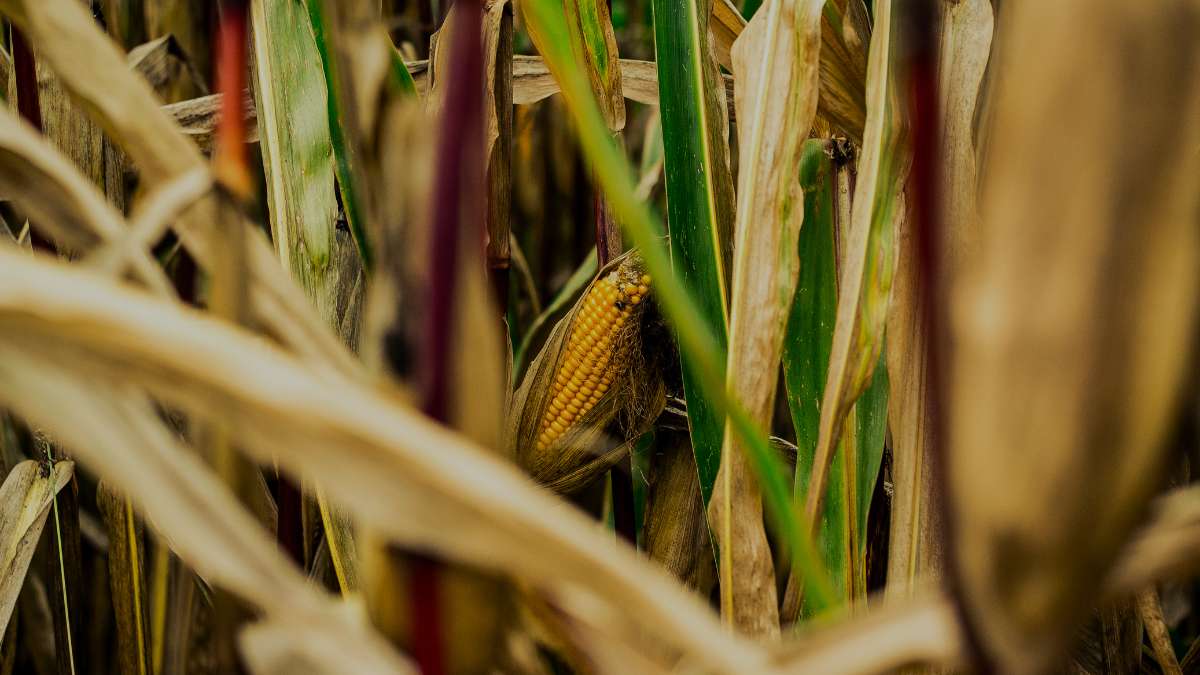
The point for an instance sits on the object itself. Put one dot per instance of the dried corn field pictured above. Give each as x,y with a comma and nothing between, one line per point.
599,336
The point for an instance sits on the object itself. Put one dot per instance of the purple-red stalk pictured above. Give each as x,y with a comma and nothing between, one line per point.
229,156
457,218
231,169
924,190
29,106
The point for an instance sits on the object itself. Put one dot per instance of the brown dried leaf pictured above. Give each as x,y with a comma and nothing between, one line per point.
117,433
94,72
915,541
1074,322
775,59
374,456
25,499
725,24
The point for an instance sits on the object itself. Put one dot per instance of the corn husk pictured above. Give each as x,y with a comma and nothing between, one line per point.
602,435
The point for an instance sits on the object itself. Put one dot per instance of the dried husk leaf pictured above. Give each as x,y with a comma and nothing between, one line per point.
68,128
775,59
25,499
1081,297
376,457
95,74
270,648
197,119
726,24
602,436
532,81
186,21
127,579
922,631
168,69
493,15
117,432
845,33
675,531
1110,643
49,189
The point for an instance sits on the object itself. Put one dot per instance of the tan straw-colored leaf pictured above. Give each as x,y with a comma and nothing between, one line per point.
775,59
95,74
374,456
25,501
117,433
1073,323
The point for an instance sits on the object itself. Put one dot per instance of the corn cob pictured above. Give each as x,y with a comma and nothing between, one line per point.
587,370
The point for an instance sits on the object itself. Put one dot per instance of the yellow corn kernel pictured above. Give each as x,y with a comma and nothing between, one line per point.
586,370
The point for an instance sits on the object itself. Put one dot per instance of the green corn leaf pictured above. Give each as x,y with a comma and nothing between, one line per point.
868,261
297,154
400,80
294,105
871,419
806,358
806,361
595,45
700,202
343,122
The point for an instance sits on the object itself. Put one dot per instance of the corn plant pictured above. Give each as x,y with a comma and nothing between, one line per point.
794,336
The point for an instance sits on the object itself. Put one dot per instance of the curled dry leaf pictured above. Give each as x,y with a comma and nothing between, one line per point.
117,433
25,501
594,387
775,59
95,74
375,457
48,187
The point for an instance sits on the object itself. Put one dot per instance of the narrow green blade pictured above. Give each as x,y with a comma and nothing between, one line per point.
699,199
806,350
871,421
